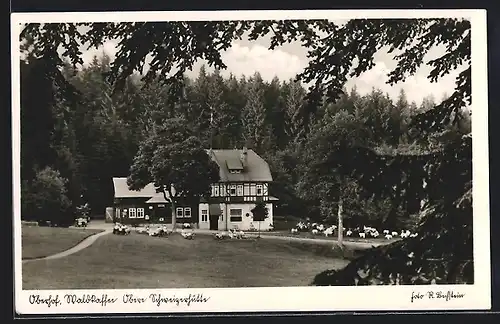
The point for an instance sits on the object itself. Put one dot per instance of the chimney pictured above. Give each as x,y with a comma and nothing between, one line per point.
244,156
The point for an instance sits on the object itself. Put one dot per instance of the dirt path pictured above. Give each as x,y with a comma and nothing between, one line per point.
88,241
352,244
363,245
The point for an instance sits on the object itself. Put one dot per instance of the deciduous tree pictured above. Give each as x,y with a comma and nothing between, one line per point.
176,162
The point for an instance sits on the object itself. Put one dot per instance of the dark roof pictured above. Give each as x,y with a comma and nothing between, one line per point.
122,190
256,168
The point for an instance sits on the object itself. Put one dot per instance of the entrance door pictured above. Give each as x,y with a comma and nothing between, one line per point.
215,212
163,214
214,222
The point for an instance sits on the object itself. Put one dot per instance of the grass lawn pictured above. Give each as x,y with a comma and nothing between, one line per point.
44,241
140,261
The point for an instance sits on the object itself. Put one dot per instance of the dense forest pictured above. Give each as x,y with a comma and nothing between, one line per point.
86,143
378,160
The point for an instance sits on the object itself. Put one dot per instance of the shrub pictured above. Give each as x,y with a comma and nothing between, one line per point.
45,199
260,212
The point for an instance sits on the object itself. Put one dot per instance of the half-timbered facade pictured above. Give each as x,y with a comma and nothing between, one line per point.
244,181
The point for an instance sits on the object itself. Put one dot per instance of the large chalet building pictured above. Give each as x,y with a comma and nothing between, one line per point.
244,180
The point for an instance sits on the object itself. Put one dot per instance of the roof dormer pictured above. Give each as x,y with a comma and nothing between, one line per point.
234,165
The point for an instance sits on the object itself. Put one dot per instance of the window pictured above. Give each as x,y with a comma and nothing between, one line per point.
239,190
204,215
235,215
180,212
234,171
131,213
140,212
216,191
246,190
223,191
259,190
187,212
232,190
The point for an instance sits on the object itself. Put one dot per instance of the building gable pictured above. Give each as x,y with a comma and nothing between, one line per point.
254,168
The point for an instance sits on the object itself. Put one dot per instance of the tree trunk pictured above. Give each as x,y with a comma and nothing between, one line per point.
174,218
259,230
340,238
172,204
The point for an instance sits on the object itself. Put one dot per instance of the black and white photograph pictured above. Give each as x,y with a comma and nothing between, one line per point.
250,160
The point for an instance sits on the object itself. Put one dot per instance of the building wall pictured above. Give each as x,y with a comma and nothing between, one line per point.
204,223
191,217
151,213
124,206
222,217
245,223
160,213
243,189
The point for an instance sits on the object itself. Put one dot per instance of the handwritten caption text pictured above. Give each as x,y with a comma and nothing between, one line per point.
104,300
437,295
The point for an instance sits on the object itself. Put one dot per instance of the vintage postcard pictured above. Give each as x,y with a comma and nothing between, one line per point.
250,161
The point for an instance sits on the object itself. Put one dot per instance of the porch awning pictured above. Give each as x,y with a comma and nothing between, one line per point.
214,210
157,199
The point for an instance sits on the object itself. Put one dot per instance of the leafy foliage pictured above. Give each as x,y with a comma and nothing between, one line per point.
45,198
176,162
391,157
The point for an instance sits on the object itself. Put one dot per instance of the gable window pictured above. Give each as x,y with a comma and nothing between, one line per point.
232,190
179,212
187,212
239,190
259,190
235,215
131,213
204,215
140,212
234,171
